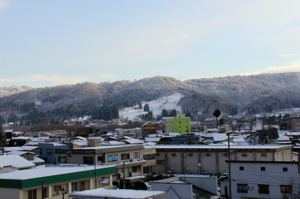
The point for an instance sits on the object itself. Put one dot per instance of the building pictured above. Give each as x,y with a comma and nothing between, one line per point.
186,186
294,123
149,128
118,193
179,124
128,158
54,182
149,155
48,151
263,179
211,159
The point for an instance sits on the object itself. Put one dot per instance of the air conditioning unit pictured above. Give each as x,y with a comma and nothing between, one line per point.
250,187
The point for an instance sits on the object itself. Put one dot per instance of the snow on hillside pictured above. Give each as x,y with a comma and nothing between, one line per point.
156,106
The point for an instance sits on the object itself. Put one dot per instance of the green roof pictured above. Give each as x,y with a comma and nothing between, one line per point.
48,178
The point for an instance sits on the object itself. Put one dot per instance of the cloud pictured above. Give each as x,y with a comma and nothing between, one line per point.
50,80
3,4
43,79
288,55
106,76
291,67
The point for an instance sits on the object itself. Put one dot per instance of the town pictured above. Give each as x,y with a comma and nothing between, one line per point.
175,157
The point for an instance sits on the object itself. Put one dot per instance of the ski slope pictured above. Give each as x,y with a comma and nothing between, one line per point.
156,106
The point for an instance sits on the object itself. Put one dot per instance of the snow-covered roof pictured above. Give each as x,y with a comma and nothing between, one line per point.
118,193
133,141
43,171
111,146
37,160
196,146
14,161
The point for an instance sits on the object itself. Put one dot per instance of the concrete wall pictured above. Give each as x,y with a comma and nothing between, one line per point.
207,183
212,162
273,176
10,193
174,191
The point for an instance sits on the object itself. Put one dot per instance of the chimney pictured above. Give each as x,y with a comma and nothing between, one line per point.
94,141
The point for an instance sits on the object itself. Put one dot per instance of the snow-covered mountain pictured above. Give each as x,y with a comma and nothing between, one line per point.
156,106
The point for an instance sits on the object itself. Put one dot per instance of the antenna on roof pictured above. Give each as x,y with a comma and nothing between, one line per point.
2,139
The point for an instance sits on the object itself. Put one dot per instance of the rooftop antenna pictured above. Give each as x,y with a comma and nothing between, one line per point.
2,137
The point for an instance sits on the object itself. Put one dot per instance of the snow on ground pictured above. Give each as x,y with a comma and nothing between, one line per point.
156,106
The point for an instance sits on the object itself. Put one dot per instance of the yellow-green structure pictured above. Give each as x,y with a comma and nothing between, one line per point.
178,124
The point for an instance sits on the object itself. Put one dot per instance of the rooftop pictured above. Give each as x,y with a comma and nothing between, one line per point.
118,193
212,146
44,171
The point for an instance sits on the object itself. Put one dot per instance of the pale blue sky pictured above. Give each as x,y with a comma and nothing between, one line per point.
51,42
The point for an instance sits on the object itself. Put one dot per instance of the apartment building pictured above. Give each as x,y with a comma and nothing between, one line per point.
211,159
54,182
128,158
263,179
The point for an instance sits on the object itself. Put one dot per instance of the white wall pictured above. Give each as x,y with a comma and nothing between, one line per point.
6,193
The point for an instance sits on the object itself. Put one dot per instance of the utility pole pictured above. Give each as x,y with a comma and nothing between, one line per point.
43,190
123,174
3,140
95,168
229,165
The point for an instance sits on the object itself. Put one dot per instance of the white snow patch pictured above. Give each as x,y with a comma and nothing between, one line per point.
156,106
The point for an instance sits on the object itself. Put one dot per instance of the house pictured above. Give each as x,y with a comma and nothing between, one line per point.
14,162
149,128
294,123
54,182
263,179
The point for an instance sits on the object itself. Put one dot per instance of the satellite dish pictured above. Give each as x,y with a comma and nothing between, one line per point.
217,113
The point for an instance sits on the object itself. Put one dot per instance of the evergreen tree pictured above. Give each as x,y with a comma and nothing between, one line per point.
164,113
173,113
146,108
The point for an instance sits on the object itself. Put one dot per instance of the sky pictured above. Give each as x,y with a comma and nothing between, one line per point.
53,42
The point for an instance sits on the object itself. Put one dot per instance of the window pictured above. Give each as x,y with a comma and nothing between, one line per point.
49,152
244,154
101,158
263,154
45,192
112,158
157,154
285,169
242,168
74,186
207,155
286,188
263,188
32,194
149,157
242,188
173,154
262,168
190,154
125,156
61,160
136,169
136,155
88,160
56,190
